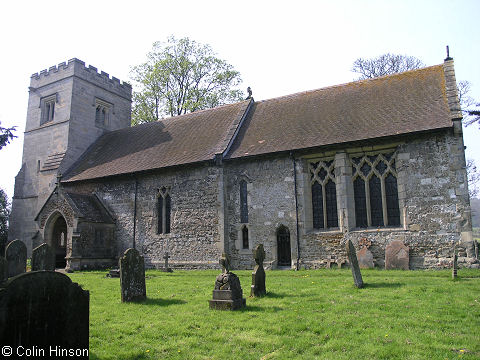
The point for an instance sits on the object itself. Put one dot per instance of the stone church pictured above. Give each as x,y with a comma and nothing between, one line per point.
371,161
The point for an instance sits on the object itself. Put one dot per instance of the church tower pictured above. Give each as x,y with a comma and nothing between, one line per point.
69,107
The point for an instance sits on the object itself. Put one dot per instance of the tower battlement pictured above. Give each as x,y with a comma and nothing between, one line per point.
76,67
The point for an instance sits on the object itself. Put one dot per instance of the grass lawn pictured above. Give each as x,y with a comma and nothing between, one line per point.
309,314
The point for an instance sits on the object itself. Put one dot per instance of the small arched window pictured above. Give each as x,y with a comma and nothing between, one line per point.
245,242
164,209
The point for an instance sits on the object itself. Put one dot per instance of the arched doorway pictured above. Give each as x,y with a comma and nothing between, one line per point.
59,241
284,255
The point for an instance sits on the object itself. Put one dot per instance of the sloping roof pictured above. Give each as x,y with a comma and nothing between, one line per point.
404,103
408,102
189,138
89,208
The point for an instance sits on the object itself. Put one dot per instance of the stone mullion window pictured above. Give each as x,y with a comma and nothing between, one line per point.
164,208
379,203
102,113
324,196
47,105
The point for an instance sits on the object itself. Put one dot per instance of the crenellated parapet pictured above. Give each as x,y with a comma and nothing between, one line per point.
76,67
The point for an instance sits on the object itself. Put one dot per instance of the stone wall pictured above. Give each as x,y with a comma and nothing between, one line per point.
194,240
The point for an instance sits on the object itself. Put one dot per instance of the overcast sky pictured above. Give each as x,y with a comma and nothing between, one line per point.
279,47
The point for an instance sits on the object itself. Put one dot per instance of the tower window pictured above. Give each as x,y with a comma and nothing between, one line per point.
48,108
102,113
324,195
375,191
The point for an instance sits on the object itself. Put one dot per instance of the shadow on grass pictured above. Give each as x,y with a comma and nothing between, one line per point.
138,356
250,308
274,295
381,285
162,302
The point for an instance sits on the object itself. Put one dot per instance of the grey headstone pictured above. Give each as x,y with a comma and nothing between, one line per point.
3,269
43,258
258,275
352,258
365,258
16,256
397,256
132,276
454,265
228,292
47,310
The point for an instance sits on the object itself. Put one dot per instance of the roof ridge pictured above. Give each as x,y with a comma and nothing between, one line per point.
350,82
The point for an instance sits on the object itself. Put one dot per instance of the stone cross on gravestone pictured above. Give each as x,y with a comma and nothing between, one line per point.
166,268
228,293
258,275
352,258
16,256
132,276
43,258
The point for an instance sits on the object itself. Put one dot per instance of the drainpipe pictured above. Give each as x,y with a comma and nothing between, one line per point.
135,212
297,266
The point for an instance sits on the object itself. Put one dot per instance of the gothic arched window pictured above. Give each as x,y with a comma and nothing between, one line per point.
164,209
324,195
375,190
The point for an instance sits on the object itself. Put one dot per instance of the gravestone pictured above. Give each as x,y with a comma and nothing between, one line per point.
43,258
352,258
166,268
454,265
228,292
45,311
258,275
396,256
3,269
132,276
16,256
365,258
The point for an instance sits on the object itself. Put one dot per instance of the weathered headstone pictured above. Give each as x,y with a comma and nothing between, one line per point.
16,256
454,265
43,258
396,256
132,276
258,275
166,268
365,258
352,258
3,269
228,292
45,311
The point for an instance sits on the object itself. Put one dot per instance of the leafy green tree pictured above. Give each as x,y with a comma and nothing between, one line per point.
181,76
6,135
385,64
4,214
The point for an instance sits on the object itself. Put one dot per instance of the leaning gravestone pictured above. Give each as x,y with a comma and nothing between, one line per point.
16,256
258,275
47,312
396,256
352,258
43,258
365,258
132,276
228,292
3,269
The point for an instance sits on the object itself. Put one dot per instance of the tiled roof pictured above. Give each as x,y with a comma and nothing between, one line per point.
89,208
403,103
178,140
397,104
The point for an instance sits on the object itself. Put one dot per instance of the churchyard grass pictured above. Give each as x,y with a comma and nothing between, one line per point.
309,314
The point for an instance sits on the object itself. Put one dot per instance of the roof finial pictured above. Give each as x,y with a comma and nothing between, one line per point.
249,90
448,54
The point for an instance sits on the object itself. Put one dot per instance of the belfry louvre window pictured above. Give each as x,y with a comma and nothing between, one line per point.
48,108
324,195
164,209
375,190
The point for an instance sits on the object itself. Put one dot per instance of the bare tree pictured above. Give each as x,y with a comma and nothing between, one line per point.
385,64
473,178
